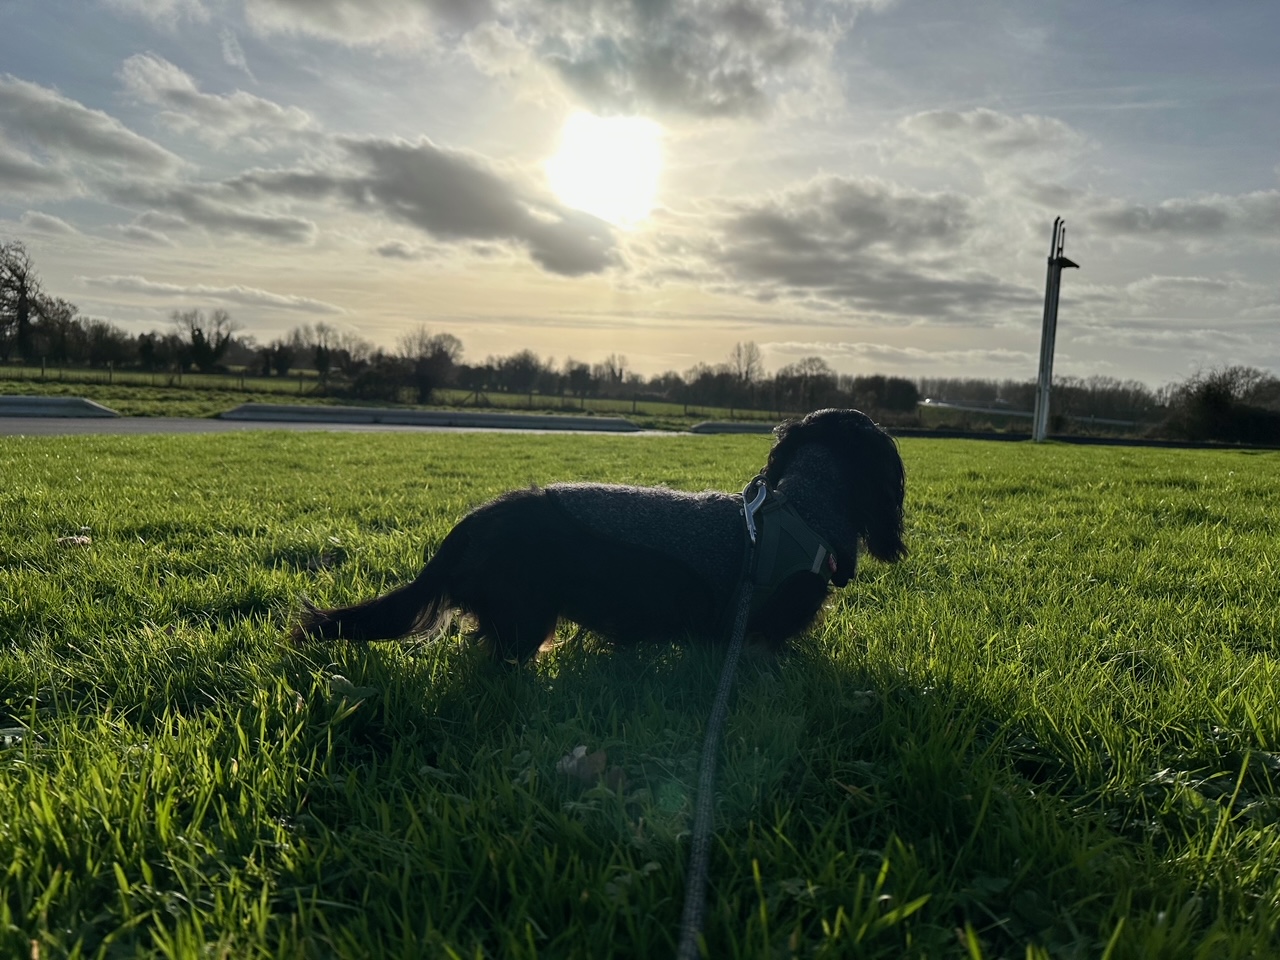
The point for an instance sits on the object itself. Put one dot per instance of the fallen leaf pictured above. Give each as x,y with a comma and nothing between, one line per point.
340,688
76,541
856,792
583,766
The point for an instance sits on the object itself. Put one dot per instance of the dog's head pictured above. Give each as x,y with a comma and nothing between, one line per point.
872,469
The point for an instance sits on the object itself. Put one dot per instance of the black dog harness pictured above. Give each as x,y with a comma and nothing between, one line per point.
780,543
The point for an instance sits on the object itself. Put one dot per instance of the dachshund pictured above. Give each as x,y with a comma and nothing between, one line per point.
640,563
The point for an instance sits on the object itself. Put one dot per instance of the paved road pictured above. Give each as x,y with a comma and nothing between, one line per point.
70,426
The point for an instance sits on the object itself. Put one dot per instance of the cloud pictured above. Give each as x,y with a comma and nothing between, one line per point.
164,13
861,244
903,357
233,53
449,194
37,222
140,234
194,205
400,250
705,59
245,296
709,58
987,135
21,175
1203,341
367,22
217,119
1254,214
1197,298
53,124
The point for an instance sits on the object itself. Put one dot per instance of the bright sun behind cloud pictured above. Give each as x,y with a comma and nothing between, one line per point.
608,167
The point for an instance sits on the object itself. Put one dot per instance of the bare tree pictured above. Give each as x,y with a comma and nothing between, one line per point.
610,372
519,372
421,343
58,335
20,299
207,338
351,352
745,360
807,382
433,356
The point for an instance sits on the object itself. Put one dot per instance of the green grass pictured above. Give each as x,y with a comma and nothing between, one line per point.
1051,732
138,394
133,396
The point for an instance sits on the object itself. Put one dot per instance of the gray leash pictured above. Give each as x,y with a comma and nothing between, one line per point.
695,888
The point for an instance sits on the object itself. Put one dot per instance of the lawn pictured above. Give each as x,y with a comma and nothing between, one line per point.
1051,732
134,393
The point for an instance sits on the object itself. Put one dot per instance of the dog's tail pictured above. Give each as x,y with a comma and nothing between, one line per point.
417,607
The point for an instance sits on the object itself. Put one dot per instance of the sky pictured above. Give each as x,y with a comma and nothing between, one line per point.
869,181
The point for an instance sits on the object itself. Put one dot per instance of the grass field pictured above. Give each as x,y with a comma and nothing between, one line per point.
138,394
1051,732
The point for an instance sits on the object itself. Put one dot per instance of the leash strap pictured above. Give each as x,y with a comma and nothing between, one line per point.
695,888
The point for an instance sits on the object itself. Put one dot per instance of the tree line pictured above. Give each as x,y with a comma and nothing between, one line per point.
1232,403
36,327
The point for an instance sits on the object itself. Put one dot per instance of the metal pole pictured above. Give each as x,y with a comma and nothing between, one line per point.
1049,329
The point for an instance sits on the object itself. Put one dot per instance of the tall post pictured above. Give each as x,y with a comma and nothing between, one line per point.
1049,331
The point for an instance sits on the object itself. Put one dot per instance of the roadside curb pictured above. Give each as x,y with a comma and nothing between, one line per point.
21,406
322,413
732,426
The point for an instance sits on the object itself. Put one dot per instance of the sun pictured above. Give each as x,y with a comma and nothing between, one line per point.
608,167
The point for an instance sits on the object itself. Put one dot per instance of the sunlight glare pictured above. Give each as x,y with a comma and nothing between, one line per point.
608,167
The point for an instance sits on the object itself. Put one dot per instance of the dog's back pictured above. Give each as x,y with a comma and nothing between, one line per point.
591,553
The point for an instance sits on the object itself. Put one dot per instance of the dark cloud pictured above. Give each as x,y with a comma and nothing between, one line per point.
1255,213
20,174
399,250
707,58
707,62
196,205
716,58
448,194
865,245
52,124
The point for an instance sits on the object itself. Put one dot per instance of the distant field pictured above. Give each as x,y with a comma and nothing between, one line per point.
139,394
1051,732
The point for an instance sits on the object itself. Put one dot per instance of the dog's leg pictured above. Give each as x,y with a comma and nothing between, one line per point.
514,621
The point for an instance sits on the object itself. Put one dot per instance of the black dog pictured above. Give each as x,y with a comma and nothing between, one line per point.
637,563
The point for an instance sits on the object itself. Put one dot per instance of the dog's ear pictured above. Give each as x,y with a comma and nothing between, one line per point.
872,467
884,487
